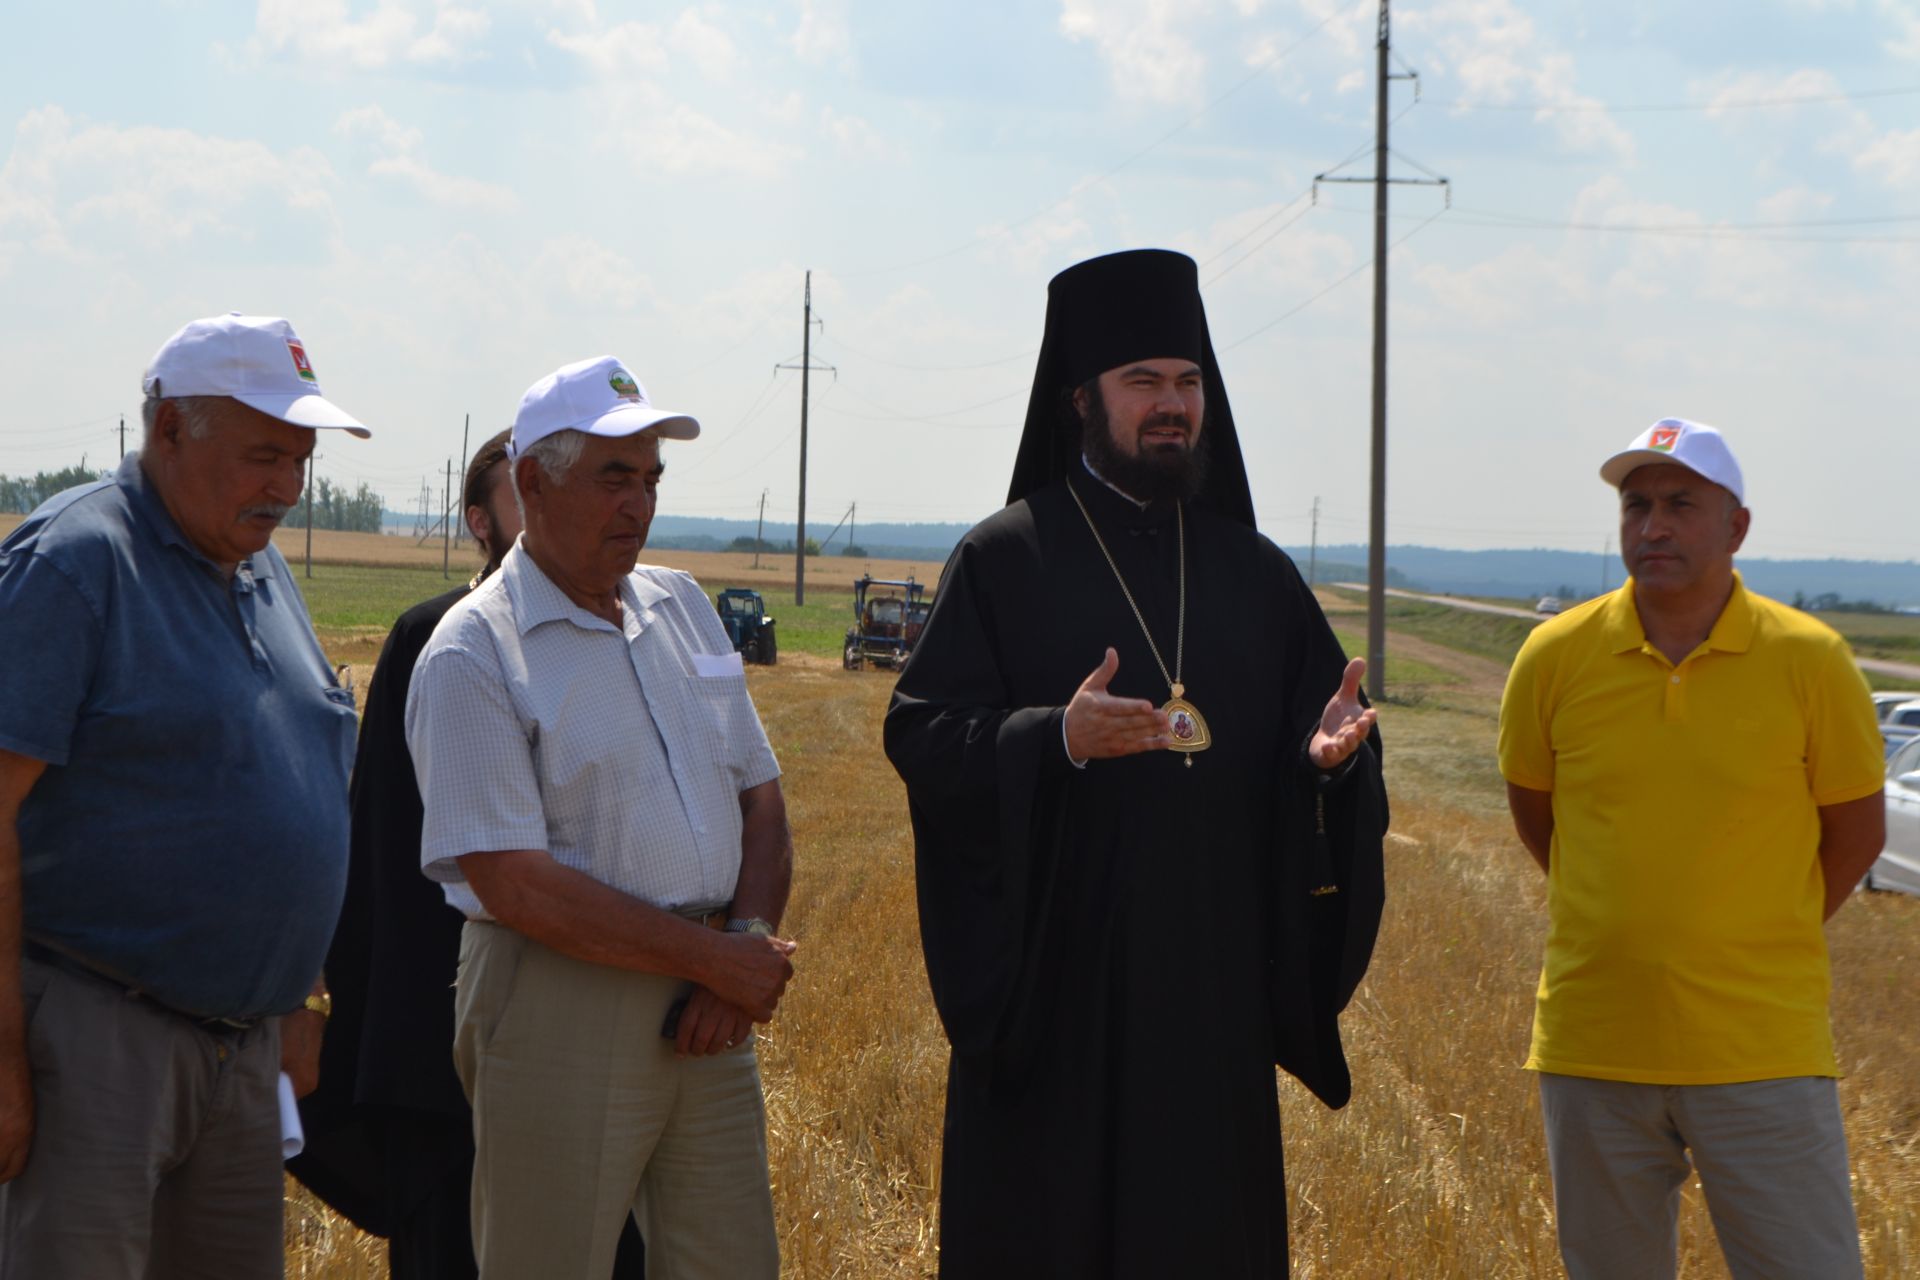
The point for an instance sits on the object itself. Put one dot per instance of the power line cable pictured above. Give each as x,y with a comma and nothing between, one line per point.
1737,104
1294,311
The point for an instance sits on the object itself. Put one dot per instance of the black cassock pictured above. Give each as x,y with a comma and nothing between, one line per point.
1121,955
389,1132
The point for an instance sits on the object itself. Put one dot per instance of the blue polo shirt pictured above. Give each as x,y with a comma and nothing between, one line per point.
189,836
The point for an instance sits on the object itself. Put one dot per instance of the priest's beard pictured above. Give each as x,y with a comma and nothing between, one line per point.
1156,472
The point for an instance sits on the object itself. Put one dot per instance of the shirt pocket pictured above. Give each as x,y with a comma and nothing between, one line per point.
720,689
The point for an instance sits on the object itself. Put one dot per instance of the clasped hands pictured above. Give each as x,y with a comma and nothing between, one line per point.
1101,725
751,977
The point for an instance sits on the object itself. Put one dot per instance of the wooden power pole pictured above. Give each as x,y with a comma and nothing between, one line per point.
806,366
1377,514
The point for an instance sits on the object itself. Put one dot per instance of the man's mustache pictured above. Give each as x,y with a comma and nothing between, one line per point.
1180,420
276,511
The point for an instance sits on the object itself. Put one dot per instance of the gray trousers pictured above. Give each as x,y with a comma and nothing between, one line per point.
156,1144
1772,1158
582,1114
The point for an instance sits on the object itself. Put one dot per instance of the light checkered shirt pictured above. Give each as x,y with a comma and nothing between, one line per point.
621,751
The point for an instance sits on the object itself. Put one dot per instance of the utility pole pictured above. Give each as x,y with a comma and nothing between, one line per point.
846,520
123,437
310,462
446,518
805,366
1377,521
759,528
1313,554
1606,554
465,457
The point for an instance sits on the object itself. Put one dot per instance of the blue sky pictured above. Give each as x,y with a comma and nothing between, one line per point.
451,198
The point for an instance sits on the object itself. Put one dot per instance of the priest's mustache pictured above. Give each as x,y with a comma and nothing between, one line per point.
1179,420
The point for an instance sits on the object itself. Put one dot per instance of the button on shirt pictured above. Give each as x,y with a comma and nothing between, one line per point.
621,751
189,835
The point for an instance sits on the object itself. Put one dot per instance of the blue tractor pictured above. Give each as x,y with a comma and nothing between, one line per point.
744,615
887,618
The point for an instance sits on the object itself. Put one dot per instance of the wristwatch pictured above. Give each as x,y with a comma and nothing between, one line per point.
321,1004
751,924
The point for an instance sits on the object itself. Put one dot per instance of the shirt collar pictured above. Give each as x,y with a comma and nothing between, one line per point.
536,599
152,511
1088,464
1732,631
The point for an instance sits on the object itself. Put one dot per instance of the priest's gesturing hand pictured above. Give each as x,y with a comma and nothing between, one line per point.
1344,725
1101,726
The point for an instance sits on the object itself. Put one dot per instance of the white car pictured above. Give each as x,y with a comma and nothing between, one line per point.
1885,700
1898,867
1903,714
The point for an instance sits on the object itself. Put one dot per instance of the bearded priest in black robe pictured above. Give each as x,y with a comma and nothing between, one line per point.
1148,811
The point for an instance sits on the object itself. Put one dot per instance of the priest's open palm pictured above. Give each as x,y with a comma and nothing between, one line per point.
1101,726
1345,723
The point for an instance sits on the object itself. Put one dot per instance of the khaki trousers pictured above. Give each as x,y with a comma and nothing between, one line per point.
582,1114
156,1144
1772,1159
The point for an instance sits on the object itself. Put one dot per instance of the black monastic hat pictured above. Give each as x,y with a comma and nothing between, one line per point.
1143,304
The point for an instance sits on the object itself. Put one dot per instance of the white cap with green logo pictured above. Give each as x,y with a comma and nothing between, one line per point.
1693,445
597,396
257,360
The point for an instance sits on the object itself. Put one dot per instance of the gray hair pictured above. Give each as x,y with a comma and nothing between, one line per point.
195,412
555,456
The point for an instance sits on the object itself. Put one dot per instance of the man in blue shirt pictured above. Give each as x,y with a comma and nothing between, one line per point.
173,829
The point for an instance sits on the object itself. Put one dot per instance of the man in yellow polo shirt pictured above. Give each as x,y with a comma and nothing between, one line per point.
1697,770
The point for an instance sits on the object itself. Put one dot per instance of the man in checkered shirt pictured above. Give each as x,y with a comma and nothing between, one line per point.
602,804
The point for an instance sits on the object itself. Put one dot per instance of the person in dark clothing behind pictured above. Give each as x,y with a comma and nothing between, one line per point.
389,1132
1148,811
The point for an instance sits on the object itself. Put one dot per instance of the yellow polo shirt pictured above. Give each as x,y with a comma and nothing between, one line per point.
1684,889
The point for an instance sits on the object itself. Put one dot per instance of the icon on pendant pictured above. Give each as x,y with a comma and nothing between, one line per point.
1183,730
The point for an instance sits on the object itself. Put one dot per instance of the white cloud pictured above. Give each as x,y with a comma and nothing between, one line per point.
619,50
680,140
388,32
854,137
65,181
1048,241
1904,17
822,34
1512,290
1893,159
709,48
1796,203
1493,49
1728,92
397,149
585,271
1143,43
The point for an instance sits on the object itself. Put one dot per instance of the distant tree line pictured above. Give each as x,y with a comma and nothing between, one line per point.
21,494
745,543
335,508
1830,602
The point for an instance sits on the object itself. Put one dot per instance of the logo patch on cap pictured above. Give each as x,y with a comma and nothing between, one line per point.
1663,439
624,386
300,362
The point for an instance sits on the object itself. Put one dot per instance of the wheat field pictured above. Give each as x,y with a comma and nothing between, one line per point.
1435,1170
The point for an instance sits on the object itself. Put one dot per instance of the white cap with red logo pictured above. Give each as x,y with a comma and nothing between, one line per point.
597,396
1694,445
257,360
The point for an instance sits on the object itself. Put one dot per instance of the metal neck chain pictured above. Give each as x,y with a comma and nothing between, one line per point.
1180,627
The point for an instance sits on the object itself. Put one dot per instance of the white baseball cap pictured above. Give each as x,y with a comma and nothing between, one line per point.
597,396
1694,445
257,360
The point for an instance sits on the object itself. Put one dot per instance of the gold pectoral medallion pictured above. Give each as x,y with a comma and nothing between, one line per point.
1188,726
